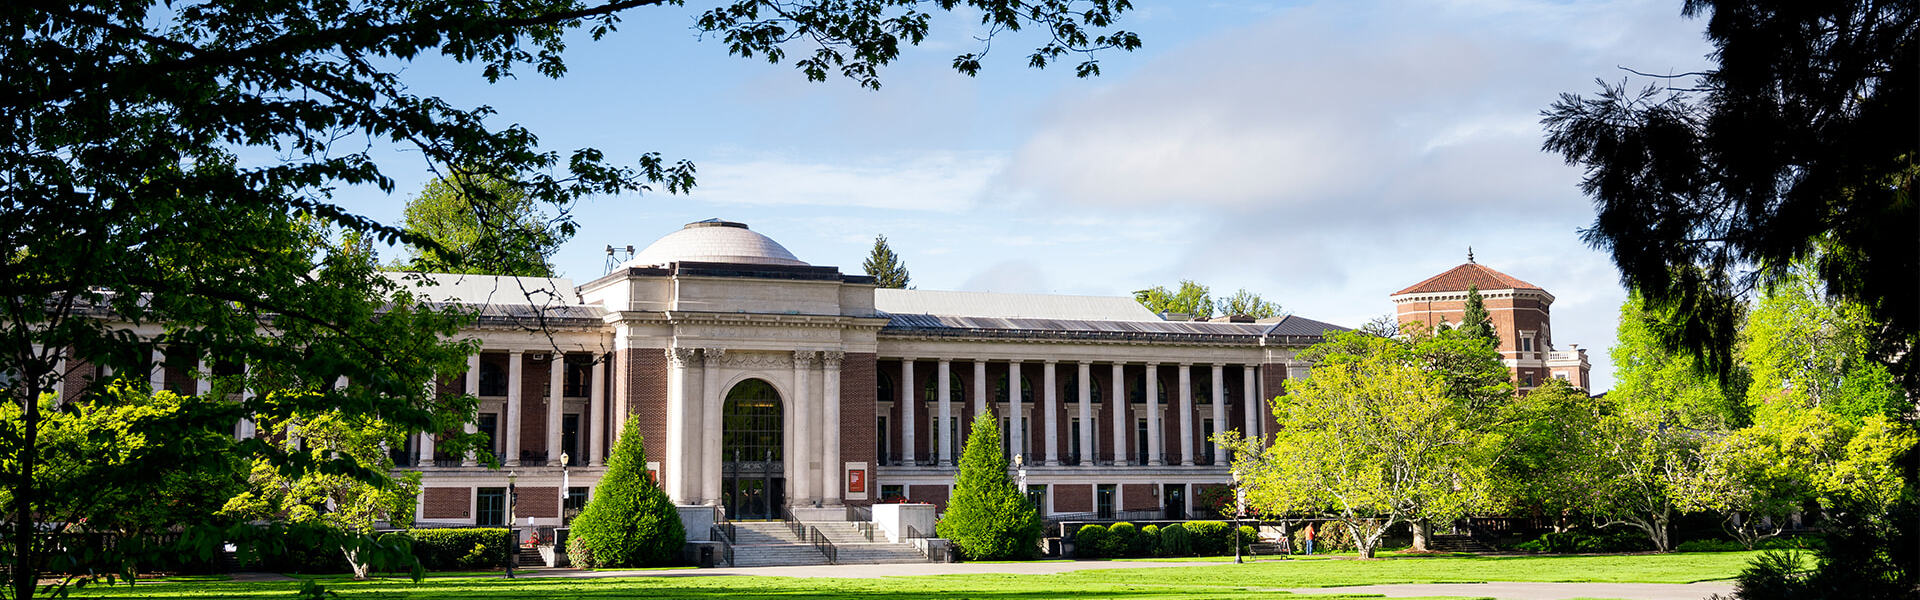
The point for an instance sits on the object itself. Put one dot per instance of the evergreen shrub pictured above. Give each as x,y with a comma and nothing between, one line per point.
1119,540
629,522
1148,542
460,549
1209,537
1248,536
1175,541
1088,542
987,517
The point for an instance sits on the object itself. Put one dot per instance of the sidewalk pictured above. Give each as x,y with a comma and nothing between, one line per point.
1537,591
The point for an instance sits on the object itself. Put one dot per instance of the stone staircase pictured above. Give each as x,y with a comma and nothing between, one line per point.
771,543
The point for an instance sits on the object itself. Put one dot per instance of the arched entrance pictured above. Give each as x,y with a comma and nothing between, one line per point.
753,482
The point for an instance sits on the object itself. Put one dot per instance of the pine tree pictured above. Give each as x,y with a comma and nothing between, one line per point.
885,266
987,517
629,522
1476,323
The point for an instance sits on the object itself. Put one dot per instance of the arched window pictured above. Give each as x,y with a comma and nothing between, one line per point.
956,391
1000,389
1070,388
887,392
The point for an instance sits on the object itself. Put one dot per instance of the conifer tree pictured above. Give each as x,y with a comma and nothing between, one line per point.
885,266
1476,323
629,522
987,517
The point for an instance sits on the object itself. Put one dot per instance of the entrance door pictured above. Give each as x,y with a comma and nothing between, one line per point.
1176,496
753,485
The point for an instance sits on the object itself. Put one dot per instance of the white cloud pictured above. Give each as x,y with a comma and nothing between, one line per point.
939,182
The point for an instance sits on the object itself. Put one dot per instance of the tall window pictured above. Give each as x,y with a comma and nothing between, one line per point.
1070,388
1104,498
492,507
579,376
1206,433
493,374
886,442
488,424
1140,442
752,422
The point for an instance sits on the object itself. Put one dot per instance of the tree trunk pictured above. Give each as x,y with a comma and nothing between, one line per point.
360,569
1421,531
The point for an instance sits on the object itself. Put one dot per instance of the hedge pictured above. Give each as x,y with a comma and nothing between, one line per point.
1119,540
1089,540
1209,537
1175,541
1147,543
463,549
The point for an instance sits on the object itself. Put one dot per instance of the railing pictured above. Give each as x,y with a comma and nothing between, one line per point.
799,530
912,534
1070,459
726,541
533,457
1203,459
824,545
865,527
448,461
859,513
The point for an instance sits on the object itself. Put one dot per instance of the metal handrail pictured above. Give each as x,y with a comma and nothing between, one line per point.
799,530
865,527
913,534
725,537
824,545
859,513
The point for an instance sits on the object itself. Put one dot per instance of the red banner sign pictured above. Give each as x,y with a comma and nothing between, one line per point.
857,480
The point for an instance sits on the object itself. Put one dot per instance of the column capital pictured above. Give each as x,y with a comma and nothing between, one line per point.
1185,364
804,359
1051,361
713,354
831,358
683,357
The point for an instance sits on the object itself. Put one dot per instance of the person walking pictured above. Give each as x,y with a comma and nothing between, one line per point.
1312,528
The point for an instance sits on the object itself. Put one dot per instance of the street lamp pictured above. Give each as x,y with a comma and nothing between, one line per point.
513,535
564,486
1020,466
1239,507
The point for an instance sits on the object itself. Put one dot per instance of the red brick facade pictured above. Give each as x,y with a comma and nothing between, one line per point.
534,376
858,423
931,494
1138,496
538,502
446,503
646,381
1072,498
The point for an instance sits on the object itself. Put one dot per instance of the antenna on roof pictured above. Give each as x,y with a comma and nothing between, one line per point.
614,259
1469,254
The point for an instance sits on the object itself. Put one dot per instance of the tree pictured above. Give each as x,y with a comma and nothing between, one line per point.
1547,444
1796,140
1192,300
988,517
1248,304
482,225
885,266
158,157
1372,440
1386,326
334,500
1474,321
629,522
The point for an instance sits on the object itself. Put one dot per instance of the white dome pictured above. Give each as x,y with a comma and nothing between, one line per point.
715,241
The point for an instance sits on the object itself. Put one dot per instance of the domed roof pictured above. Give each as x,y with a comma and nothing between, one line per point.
717,241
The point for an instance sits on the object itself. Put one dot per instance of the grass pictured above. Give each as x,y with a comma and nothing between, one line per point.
1209,581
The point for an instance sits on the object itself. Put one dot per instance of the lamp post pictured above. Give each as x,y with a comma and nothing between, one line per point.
565,484
1239,507
1020,468
513,535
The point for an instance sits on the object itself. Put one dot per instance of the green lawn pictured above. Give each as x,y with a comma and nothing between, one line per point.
1211,581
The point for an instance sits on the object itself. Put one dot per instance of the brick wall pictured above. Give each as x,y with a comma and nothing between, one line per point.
1273,377
1138,496
542,502
447,503
645,372
858,435
933,494
1073,498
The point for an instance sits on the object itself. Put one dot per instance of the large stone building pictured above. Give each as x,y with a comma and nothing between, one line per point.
1522,320
761,382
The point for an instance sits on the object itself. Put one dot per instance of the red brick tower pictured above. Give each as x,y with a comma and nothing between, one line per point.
1521,314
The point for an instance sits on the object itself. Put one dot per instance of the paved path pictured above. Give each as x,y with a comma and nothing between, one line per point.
1538,591
872,571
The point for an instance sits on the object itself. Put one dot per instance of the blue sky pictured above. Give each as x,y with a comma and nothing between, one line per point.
1323,154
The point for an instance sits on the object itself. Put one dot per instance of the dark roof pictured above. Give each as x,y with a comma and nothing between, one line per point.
1290,329
1475,275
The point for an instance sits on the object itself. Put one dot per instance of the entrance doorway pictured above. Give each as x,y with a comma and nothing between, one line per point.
753,476
1176,497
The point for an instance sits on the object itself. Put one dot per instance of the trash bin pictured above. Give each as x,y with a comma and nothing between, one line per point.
706,556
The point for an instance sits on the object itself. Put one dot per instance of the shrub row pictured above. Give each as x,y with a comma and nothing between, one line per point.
1580,542
460,549
1193,538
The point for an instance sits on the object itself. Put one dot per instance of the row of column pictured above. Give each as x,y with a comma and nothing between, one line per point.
1016,433
509,427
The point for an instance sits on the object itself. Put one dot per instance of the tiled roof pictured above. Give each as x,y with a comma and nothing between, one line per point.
1010,306
1291,329
1458,279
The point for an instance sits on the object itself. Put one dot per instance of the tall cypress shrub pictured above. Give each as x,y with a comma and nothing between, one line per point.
987,517
629,522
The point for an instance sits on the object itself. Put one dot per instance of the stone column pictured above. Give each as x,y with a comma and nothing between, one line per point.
597,419
1052,408
1154,447
158,375
1251,402
980,388
1016,440
801,463
682,440
907,412
425,447
1120,425
247,430
945,428
1219,412
556,405
1186,414
711,399
1086,413
831,472
473,389
511,430
202,377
